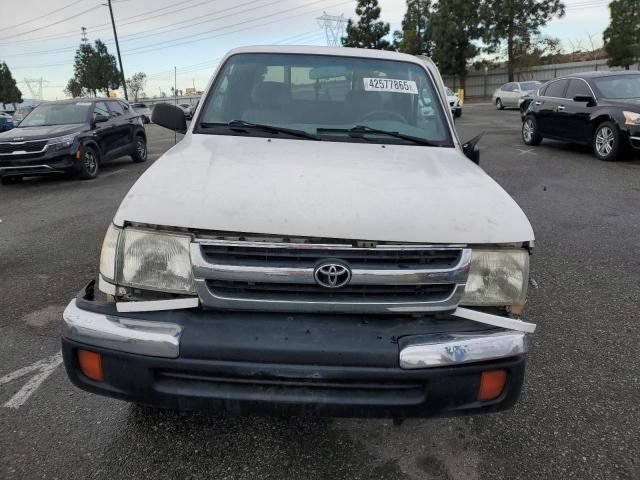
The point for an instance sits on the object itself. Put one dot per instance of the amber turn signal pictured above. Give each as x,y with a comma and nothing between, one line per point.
491,384
91,365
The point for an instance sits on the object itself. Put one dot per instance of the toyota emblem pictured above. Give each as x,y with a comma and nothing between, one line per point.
332,275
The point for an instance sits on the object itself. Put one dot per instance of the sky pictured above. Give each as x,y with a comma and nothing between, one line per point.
38,38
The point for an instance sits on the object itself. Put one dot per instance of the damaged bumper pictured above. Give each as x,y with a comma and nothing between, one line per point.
338,365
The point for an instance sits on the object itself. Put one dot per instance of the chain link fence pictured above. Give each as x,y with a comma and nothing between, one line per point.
483,84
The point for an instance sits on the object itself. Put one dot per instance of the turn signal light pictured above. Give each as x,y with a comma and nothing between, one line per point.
491,384
91,365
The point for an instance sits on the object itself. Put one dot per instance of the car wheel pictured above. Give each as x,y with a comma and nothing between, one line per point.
458,113
530,132
606,142
499,105
140,153
88,163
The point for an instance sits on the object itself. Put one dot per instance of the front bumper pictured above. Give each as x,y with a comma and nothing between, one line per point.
357,366
36,165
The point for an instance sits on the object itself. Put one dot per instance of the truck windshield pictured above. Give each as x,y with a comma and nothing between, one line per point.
326,97
57,114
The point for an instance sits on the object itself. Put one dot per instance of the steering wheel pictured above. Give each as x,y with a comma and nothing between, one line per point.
383,115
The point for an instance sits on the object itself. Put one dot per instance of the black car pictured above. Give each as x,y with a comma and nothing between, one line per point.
600,109
71,136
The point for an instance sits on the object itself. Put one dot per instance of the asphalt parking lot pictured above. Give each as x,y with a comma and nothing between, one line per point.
578,417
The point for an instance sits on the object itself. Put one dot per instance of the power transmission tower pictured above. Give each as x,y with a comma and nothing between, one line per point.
333,28
35,86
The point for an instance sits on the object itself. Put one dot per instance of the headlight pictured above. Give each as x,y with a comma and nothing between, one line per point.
154,261
146,259
631,118
60,143
497,278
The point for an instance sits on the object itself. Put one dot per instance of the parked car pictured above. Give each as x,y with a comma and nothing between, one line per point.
454,103
312,245
6,122
599,109
143,110
511,94
71,136
191,110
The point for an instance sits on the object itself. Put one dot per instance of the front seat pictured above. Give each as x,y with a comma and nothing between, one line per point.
271,103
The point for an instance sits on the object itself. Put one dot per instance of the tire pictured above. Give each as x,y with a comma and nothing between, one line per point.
530,131
607,145
499,105
458,113
88,163
140,154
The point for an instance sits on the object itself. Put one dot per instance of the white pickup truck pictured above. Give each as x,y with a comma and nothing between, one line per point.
317,243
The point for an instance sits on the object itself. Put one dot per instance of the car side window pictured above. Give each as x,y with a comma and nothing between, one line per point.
577,87
507,87
556,89
116,108
125,106
100,108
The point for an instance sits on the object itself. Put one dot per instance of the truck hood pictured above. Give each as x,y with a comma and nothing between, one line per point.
340,190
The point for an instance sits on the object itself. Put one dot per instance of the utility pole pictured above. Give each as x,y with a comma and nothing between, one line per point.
115,34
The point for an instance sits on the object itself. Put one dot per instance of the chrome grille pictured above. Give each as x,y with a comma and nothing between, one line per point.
241,275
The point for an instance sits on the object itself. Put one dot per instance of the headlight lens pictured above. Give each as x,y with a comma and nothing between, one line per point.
154,261
108,253
631,118
497,278
61,143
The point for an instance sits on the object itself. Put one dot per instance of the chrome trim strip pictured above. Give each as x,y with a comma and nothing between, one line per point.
332,246
300,304
142,337
440,350
304,275
30,167
635,138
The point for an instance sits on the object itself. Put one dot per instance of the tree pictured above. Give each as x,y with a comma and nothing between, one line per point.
455,25
74,89
368,32
9,91
510,20
530,52
95,69
136,84
415,38
622,36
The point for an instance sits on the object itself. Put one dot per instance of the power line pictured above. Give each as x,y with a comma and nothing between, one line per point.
42,16
55,23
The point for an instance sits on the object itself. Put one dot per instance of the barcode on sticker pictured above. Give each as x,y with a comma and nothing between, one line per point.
390,85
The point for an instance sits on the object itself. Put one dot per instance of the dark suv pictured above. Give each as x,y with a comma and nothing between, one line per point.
599,109
71,136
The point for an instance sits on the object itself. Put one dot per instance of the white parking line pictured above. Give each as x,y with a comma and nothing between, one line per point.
105,175
44,368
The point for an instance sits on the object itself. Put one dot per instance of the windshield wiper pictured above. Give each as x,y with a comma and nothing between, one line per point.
360,130
242,125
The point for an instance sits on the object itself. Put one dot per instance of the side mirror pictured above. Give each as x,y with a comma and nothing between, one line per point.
99,118
169,116
588,99
471,149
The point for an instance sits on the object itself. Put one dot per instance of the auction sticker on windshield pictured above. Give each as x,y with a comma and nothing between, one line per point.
390,85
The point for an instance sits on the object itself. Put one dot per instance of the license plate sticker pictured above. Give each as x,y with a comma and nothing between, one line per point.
390,85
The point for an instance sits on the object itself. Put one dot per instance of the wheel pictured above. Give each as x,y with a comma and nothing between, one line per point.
458,113
606,142
88,164
12,179
499,105
530,132
140,153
